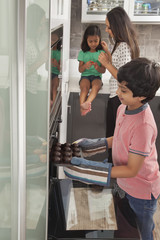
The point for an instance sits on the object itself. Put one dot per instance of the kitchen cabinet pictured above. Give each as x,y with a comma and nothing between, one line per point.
95,11
80,126
144,11
139,11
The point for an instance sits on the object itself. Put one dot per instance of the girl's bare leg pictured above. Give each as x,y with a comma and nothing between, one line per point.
84,86
96,86
54,86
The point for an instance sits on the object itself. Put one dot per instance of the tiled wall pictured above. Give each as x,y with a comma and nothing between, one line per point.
148,35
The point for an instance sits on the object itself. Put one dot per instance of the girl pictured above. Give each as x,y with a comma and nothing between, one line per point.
90,68
125,47
55,65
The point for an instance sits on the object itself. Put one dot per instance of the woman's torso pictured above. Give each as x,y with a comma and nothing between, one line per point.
120,56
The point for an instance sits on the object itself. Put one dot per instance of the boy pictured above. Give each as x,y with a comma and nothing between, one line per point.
134,142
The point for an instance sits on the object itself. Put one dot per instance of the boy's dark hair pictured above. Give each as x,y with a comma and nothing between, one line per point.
91,30
142,77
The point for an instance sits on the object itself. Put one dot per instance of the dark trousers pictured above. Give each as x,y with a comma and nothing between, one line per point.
113,104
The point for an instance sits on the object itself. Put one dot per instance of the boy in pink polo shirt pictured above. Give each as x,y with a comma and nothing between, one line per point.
134,142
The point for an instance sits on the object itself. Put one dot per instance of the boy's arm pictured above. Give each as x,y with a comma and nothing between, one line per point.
135,162
109,141
91,147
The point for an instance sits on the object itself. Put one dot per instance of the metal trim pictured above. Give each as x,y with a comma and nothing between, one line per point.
21,120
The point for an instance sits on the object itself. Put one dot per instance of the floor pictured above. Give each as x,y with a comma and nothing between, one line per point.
157,222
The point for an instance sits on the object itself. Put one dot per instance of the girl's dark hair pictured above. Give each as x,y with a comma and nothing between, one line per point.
91,30
123,30
142,77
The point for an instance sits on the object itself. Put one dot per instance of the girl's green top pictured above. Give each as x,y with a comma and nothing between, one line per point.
90,56
55,54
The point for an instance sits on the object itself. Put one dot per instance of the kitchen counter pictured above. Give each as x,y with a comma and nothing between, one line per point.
74,77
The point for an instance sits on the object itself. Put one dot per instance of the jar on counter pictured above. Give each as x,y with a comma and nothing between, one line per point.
146,8
138,7
100,5
93,6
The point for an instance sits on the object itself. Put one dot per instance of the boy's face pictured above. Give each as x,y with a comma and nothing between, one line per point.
126,97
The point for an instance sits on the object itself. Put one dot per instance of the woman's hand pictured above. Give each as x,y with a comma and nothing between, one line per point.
104,59
105,46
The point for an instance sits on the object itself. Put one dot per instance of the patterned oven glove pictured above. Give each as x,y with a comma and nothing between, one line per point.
90,172
91,147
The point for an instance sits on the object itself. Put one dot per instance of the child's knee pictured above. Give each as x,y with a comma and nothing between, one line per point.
96,87
85,89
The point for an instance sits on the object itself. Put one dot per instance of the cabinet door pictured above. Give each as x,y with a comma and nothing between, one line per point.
57,8
95,10
144,11
93,125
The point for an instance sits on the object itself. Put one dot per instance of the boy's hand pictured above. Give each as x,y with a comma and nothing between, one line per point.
90,172
91,147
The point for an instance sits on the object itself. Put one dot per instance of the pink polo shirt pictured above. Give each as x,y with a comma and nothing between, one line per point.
136,132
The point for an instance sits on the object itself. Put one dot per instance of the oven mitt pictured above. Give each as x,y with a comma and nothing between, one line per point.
91,147
90,172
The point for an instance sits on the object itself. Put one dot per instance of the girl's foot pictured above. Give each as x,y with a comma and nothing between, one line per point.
85,108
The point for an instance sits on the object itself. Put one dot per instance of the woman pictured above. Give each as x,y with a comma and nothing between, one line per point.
125,47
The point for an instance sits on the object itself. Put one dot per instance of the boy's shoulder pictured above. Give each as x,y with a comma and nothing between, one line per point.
121,108
142,115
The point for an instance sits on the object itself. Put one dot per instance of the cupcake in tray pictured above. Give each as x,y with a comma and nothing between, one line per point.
63,153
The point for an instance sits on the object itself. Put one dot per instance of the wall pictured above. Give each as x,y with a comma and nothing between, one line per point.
148,35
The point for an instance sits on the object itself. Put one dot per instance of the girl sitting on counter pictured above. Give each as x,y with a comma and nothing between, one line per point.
90,68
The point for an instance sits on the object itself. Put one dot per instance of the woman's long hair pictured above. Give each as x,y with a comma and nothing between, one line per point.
91,30
123,30
34,17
